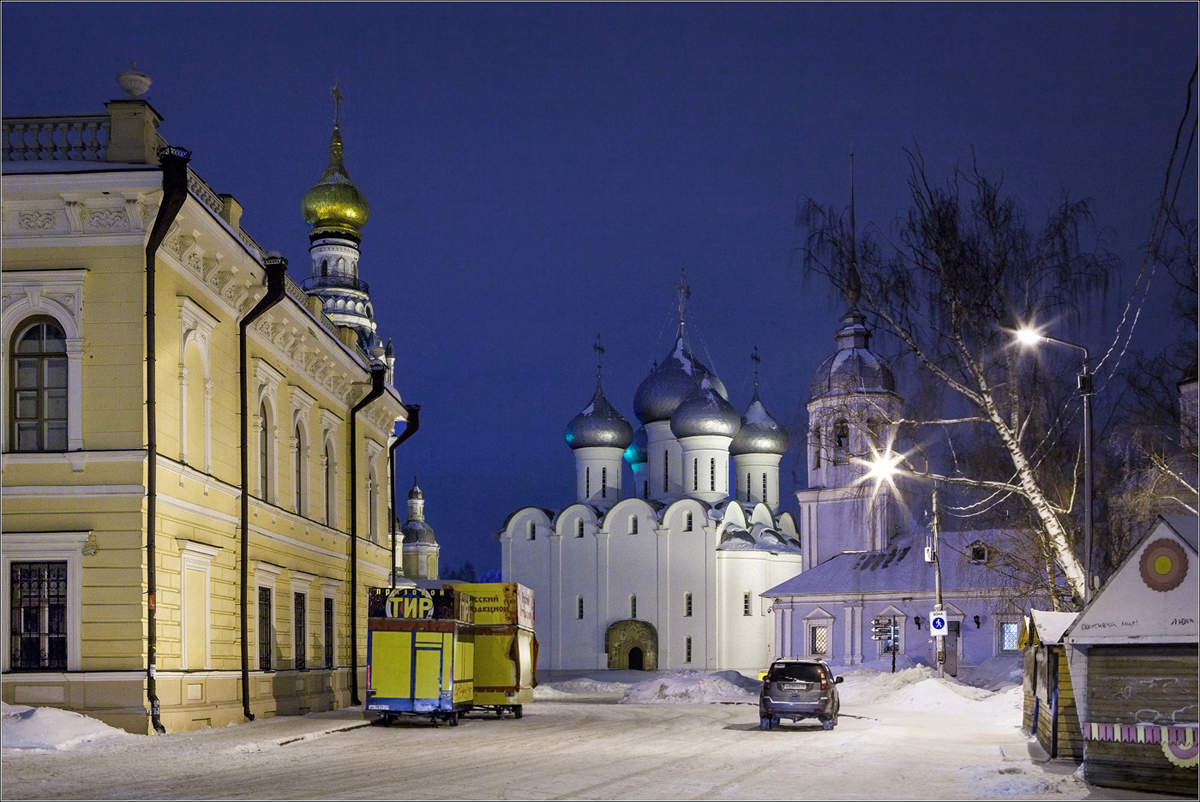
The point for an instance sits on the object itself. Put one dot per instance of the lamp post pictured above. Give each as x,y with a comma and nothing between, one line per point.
883,468
1031,337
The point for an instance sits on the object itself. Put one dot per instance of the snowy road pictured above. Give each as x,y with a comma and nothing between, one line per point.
903,740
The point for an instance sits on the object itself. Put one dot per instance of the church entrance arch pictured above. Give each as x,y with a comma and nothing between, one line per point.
632,644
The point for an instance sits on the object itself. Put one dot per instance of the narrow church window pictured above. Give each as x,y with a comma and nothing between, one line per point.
816,448
633,606
666,469
603,482
579,528
747,487
39,376
764,495
687,650
587,482
746,603
633,525
687,522
712,473
841,440
532,531
645,489
695,474
299,478
687,605
579,607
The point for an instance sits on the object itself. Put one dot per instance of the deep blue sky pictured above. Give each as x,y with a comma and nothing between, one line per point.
538,174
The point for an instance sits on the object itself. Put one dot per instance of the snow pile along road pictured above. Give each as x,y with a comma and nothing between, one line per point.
51,728
694,686
578,690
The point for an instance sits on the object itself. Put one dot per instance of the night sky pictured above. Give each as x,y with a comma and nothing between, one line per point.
539,175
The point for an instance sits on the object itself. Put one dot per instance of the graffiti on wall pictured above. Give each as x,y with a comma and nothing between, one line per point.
1179,743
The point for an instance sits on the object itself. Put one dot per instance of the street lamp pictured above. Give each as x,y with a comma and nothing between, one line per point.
1029,336
883,467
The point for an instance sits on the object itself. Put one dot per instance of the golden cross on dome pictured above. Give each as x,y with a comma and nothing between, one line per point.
338,97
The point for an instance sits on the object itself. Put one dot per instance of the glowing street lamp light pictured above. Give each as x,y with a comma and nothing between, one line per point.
1029,336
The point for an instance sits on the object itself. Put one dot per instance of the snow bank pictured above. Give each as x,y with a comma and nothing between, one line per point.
50,728
694,686
583,688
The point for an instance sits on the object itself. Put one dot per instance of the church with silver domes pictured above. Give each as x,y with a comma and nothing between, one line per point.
667,573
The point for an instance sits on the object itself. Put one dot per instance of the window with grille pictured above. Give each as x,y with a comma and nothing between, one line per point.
764,495
747,487
818,640
328,633
579,607
39,616
687,605
603,482
712,473
633,606
264,629
39,382
687,650
1009,636
746,603
300,630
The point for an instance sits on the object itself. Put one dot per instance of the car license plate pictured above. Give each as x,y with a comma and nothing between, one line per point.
795,686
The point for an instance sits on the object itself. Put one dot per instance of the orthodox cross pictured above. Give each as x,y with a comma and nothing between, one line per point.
755,359
684,293
598,347
853,281
338,97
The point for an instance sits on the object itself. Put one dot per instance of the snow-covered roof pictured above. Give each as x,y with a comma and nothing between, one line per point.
1051,624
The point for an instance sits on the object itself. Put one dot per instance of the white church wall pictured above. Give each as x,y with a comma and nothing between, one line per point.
663,461
629,564
683,553
705,462
580,638
598,475
526,559
750,471
744,627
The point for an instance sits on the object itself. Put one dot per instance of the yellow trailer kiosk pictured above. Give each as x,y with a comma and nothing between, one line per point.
420,654
505,645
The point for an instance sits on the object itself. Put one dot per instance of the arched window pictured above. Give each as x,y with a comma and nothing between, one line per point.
324,267
666,468
587,482
816,448
645,489
603,482
712,473
841,441
579,607
873,431
633,606
764,495
39,382
687,522
264,453
747,487
579,528
633,525
330,498
299,470
532,531
695,474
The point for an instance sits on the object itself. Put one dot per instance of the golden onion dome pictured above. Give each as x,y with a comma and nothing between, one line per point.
334,202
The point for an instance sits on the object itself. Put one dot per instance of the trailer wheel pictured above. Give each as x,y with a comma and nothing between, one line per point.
453,719
516,711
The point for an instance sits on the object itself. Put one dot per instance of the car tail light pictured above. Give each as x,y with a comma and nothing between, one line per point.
824,683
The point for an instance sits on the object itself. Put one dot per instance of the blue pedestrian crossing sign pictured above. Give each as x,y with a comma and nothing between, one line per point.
937,623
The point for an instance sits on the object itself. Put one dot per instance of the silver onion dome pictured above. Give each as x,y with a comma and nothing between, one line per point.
669,384
418,532
636,453
760,433
705,411
853,368
599,425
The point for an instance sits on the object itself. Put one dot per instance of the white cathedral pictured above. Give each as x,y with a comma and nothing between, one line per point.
667,576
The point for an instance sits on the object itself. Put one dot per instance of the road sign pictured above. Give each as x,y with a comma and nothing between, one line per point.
937,623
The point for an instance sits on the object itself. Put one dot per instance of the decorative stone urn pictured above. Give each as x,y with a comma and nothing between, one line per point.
133,83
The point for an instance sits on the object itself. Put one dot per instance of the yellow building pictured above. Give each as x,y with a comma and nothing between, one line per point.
141,584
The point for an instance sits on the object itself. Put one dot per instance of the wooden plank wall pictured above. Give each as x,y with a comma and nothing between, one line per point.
1152,684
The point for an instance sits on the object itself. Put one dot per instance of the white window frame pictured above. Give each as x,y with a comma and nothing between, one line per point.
265,575
195,328
302,583
57,294
818,618
301,404
41,547
268,379
329,447
195,556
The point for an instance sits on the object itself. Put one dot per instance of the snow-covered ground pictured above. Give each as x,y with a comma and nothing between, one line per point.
590,735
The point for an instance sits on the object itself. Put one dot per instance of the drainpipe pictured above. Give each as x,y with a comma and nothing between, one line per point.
174,167
275,267
378,379
411,424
